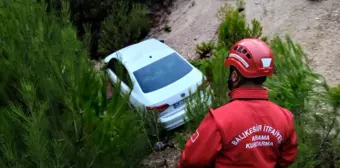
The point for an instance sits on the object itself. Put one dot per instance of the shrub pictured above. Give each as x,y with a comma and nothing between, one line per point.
293,87
296,87
205,49
204,65
293,81
234,27
123,27
94,12
54,111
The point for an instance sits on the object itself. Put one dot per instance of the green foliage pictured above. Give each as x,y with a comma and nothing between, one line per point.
294,84
216,73
204,65
234,27
180,139
123,27
54,111
125,16
205,49
219,78
197,106
296,87
335,96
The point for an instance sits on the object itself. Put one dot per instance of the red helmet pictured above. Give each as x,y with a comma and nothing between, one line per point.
251,57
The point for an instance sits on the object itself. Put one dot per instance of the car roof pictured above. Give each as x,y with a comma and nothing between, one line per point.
141,54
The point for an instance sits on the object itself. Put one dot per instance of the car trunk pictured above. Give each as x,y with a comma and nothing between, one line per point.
175,94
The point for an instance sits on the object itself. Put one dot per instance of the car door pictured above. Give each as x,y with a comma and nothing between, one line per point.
118,73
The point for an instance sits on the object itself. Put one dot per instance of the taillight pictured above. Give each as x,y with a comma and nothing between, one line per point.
160,108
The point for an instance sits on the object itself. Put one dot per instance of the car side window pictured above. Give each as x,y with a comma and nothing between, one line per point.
121,72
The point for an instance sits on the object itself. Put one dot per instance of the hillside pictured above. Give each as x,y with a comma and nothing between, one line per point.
314,24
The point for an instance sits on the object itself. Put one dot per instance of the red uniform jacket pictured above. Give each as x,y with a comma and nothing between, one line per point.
248,132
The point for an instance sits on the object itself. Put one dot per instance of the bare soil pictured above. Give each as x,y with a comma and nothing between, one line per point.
314,24
191,22
164,159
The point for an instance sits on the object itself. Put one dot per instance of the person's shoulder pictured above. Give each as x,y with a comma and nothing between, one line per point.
285,111
288,113
225,109
221,115
228,105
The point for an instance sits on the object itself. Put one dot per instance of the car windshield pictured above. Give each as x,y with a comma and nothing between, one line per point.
162,72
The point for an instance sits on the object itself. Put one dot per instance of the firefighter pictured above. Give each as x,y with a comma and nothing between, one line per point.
249,131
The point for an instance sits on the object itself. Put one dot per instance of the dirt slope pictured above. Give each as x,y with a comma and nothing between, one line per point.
191,22
315,25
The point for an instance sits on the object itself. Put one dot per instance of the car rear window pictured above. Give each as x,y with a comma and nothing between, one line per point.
162,72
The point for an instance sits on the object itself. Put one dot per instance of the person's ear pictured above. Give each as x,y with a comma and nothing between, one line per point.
236,78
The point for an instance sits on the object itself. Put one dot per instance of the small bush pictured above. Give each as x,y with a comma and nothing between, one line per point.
234,27
205,49
204,65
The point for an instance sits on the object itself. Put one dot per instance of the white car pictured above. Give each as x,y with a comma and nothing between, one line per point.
158,77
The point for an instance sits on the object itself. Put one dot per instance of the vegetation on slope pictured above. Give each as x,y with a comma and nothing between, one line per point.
116,22
54,111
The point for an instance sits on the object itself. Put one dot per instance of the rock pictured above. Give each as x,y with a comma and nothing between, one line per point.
159,146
